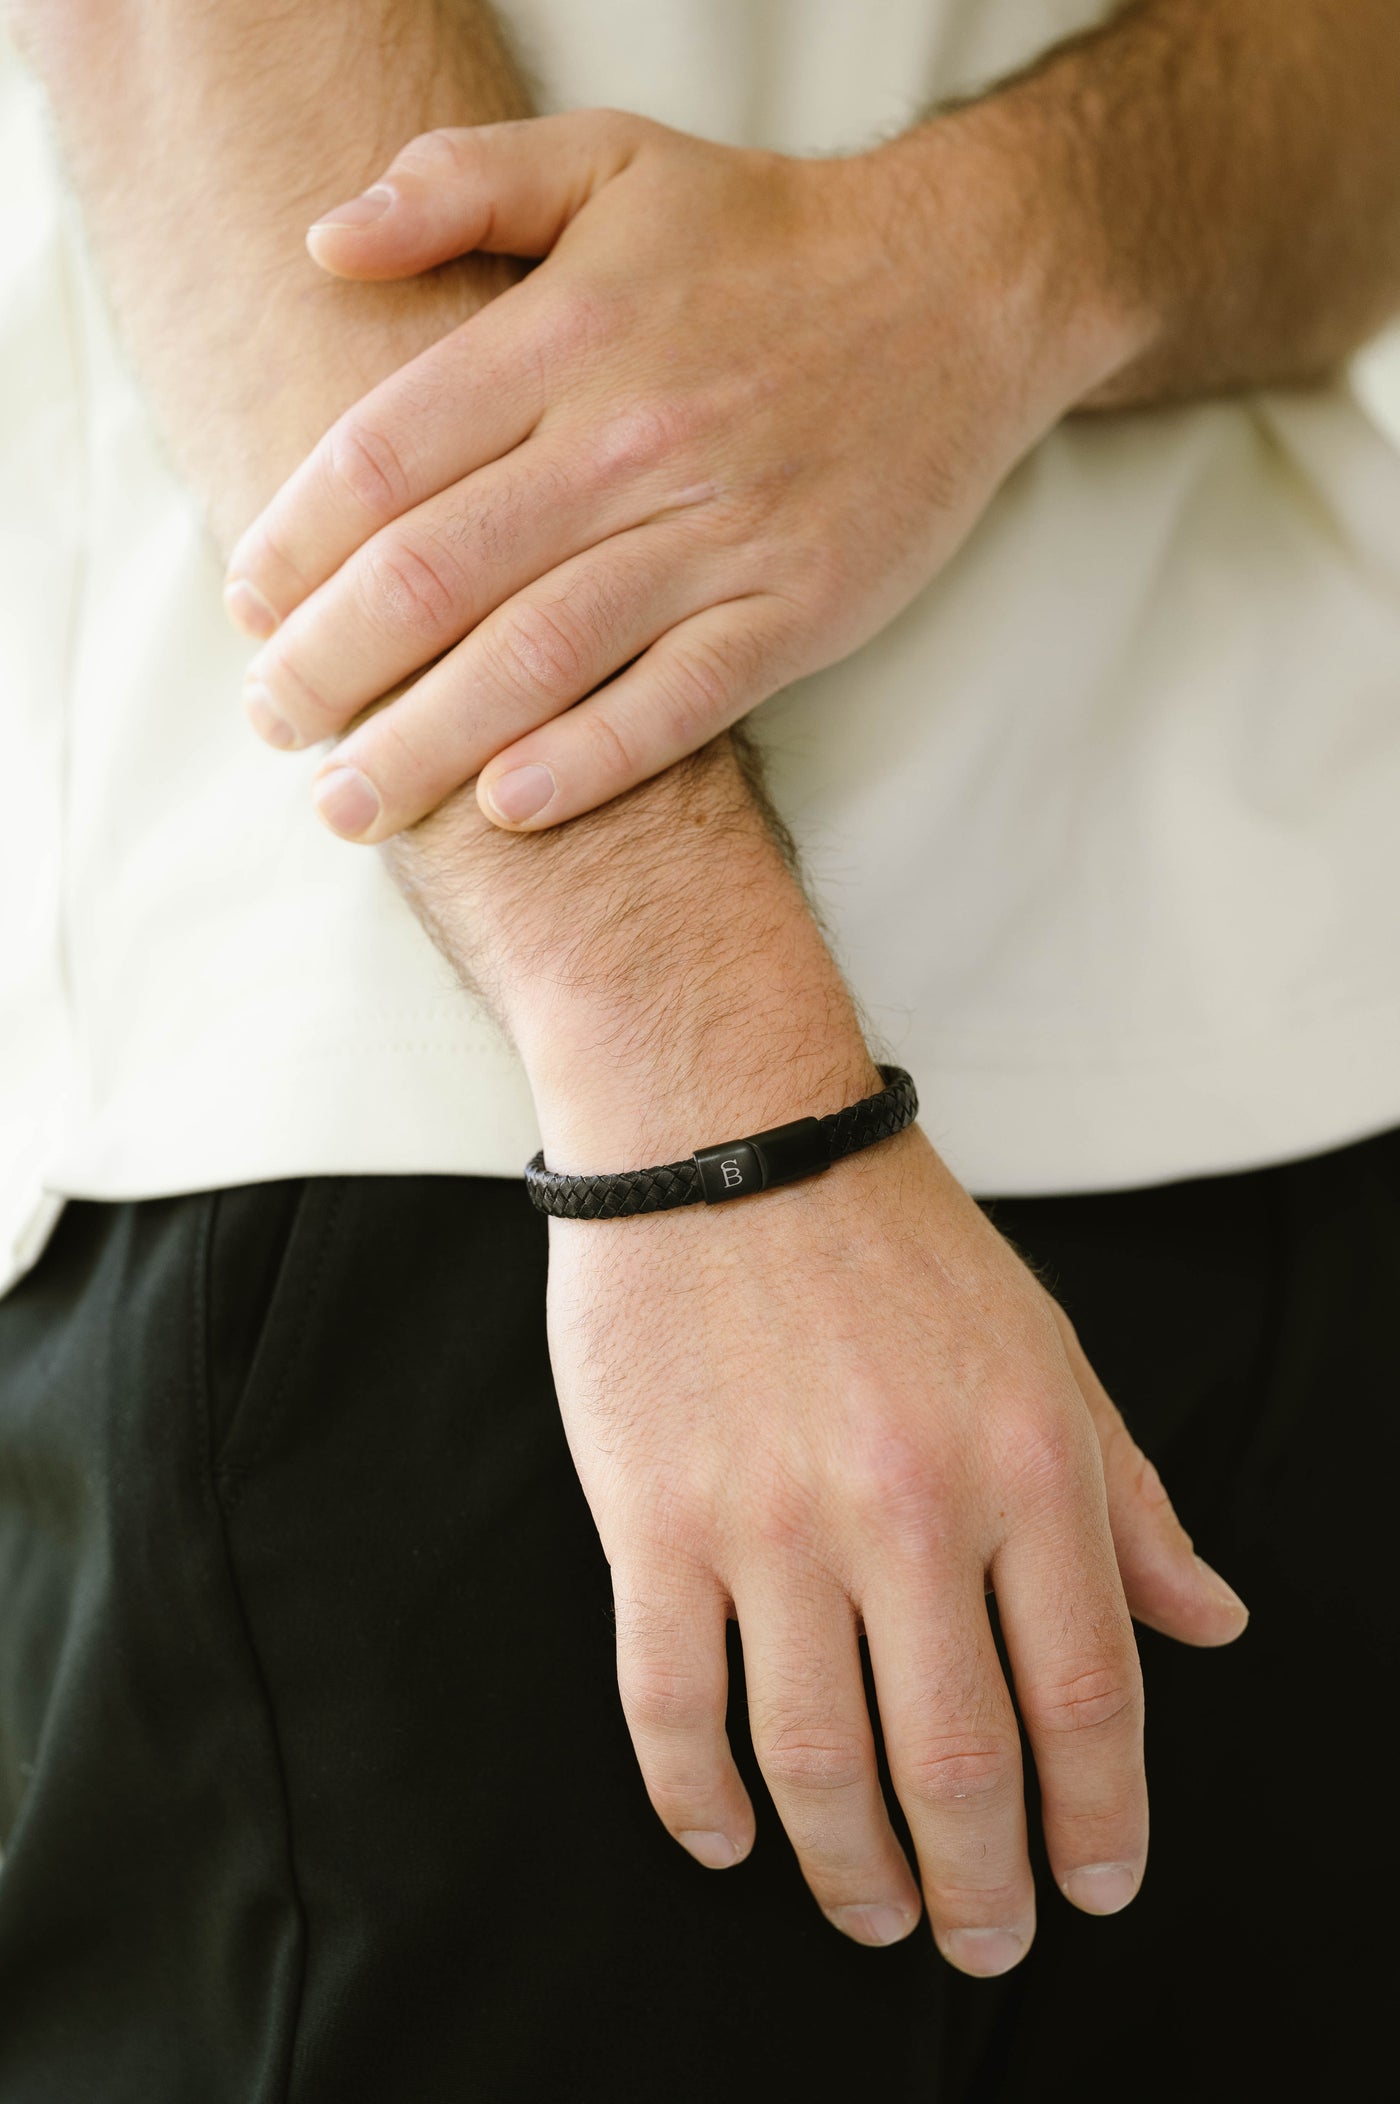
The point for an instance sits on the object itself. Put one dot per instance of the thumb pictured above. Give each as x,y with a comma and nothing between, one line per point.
1167,1585
507,189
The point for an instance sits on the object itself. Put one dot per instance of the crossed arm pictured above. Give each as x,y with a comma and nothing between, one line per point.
753,402
750,1442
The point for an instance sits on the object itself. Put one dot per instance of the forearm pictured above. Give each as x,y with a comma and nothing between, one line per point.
656,964
1221,175
202,140
655,961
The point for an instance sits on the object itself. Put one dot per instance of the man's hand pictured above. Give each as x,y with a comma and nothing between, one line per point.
749,404
744,410
941,1440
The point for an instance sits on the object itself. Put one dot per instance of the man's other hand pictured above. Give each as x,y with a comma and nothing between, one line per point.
743,411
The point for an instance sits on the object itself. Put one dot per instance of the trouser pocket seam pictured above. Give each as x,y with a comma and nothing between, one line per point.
238,1453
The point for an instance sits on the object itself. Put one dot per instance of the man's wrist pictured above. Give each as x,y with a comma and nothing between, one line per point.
1095,304
679,988
701,1035
1211,191
746,1072
1008,180
655,963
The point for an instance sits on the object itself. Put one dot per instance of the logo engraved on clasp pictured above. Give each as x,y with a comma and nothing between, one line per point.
732,1174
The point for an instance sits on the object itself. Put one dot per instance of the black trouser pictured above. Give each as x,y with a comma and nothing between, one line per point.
312,1770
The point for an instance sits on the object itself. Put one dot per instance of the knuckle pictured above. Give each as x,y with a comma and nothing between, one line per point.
1042,1453
698,689
661,1700
1068,1333
1147,1484
1128,1469
365,462
271,566
828,577
777,1515
301,702
397,759
1093,1698
899,1489
644,435
609,125
580,319
677,1798
961,1903
411,586
538,650
804,1758
443,151
951,1773
677,1532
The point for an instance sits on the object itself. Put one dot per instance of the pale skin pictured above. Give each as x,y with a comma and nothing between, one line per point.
751,1441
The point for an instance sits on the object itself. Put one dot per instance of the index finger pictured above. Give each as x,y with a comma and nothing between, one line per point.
460,404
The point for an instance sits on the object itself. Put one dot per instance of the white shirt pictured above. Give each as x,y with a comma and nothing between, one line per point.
1105,823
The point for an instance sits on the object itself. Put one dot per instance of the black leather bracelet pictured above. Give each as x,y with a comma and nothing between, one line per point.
735,1170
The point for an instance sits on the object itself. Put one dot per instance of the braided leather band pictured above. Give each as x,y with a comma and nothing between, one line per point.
735,1170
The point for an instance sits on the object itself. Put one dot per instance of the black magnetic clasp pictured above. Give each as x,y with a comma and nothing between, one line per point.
729,1172
762,1160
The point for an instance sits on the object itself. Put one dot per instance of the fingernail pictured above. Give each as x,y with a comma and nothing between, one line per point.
262,714
715,1851
248,610
985,1952
520,794
875,1924
360,211
1225,1594
1101,1888
348,803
